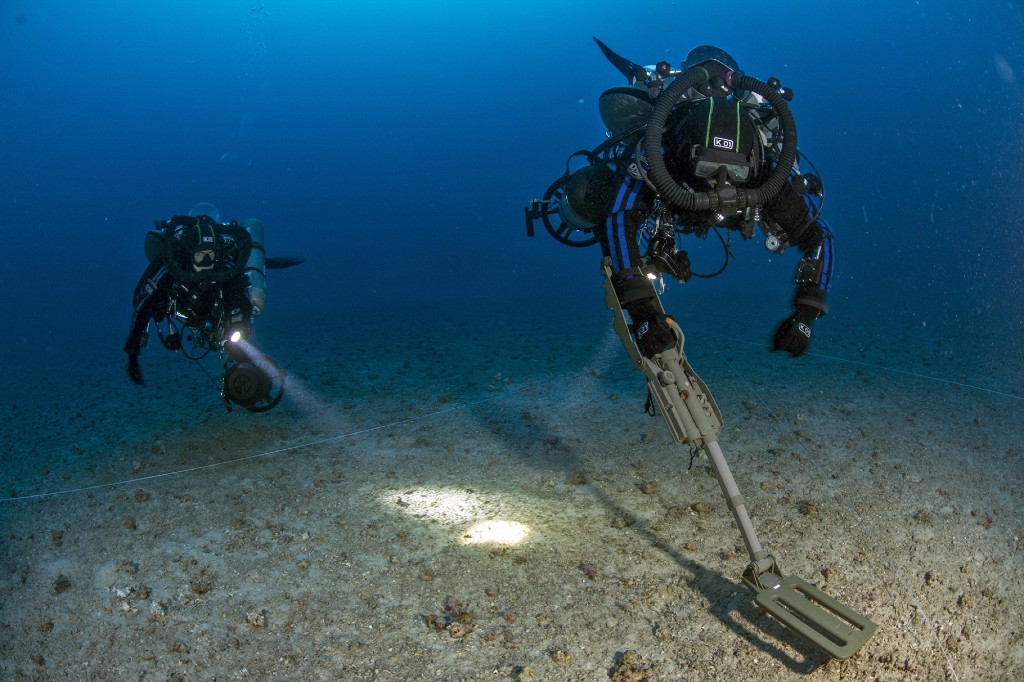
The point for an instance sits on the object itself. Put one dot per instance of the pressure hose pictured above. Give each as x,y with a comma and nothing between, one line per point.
688,200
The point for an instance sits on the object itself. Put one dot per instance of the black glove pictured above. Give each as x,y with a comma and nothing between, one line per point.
793,335
653,333
134,371
133,346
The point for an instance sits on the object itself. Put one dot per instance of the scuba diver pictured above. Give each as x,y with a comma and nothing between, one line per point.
206,281
690,151
713,158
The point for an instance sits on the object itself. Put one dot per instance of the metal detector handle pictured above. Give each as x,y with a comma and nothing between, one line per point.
691,400
611,299
684,400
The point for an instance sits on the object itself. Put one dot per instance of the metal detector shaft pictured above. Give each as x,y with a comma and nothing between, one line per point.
693,419
735,502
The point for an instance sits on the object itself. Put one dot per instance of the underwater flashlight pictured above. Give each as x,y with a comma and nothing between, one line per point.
251,379
172,341
245,384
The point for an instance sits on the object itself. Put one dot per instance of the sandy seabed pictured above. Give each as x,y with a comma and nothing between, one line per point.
148,534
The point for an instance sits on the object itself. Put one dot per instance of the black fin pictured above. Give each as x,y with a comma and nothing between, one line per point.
282,262
627,68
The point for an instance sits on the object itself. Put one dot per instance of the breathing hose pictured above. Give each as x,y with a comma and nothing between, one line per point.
689,200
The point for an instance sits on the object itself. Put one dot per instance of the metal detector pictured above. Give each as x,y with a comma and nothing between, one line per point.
693,419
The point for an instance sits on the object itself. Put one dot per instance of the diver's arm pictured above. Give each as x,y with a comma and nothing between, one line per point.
150,300
797,216
814,273
634,289
138,336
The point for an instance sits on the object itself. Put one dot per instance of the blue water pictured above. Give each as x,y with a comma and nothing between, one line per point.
393,144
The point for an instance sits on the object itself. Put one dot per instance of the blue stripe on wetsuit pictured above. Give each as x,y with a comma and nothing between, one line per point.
827,256
618,241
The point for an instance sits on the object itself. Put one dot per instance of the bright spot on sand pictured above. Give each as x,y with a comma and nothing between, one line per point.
441,504
459,507
496,532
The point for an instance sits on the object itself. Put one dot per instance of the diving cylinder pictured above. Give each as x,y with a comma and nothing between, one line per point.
256,267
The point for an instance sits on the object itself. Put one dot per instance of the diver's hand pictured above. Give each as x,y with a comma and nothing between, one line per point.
653,333
133,345
793,335
134,370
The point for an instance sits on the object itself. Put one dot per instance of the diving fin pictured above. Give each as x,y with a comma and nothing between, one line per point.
633,72
282,262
